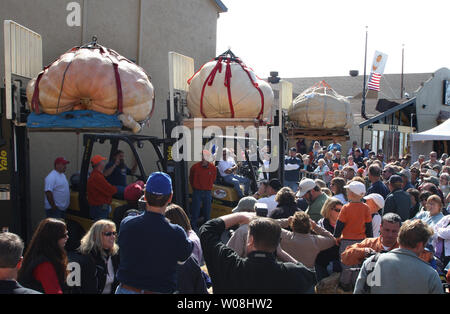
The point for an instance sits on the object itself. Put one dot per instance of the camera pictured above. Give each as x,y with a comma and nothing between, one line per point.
261,209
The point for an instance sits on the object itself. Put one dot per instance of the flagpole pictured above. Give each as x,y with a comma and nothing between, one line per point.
363,104
403,62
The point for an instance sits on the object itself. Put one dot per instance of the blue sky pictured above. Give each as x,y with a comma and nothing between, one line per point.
326,38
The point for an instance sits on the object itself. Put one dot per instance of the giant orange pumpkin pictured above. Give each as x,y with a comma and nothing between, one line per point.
94,78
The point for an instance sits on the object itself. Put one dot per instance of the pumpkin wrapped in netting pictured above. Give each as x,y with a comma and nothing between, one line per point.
321,107
93,77
226,88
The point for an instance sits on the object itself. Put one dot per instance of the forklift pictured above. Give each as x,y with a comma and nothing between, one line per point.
14,145
224,197
77,215
15,203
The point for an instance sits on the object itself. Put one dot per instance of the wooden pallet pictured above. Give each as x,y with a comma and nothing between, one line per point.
222,123
318,134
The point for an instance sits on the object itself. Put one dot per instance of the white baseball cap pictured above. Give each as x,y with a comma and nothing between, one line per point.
356,187
377,198
305,186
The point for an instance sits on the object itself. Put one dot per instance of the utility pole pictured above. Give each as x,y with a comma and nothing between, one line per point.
363,104
403,62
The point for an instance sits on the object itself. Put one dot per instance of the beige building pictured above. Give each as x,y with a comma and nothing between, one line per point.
141,30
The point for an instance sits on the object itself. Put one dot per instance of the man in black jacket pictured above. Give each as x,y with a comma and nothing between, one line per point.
260,272
11,249
399,201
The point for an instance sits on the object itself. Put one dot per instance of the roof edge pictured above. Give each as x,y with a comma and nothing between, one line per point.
387,112
221,6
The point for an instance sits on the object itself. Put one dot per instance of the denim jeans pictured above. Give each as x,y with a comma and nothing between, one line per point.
200,197
99,212
55,213
237,181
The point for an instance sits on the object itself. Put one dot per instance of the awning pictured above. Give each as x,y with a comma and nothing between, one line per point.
388,112
438,133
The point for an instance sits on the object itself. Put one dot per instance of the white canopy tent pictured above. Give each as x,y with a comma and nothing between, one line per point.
438,133
422,143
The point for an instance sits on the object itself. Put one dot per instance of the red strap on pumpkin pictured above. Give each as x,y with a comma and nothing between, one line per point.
210,80
190,79
255,84
35,99
119,88
108,55
227,83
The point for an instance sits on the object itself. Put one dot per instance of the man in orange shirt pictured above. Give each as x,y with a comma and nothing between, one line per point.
202,177
356,254
99,190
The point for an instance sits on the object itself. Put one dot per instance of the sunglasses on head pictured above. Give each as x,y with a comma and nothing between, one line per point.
108,234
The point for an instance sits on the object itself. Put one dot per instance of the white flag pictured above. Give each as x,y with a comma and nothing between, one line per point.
379,62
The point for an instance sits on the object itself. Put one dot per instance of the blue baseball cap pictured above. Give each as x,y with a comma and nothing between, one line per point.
159,183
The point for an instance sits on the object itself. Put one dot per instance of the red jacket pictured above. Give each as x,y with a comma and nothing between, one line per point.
99,191
202,178
45,273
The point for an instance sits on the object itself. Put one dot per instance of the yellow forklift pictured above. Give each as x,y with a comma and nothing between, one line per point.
16,121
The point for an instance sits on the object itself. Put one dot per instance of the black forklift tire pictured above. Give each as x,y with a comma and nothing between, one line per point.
76,232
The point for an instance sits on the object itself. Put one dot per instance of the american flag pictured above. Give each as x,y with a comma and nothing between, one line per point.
374,81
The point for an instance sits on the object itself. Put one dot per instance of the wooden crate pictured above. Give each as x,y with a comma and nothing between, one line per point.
318,134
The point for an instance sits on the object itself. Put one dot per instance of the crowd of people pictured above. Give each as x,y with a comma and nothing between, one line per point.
351,222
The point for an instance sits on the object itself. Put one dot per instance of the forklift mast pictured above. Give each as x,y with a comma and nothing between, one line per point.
23,60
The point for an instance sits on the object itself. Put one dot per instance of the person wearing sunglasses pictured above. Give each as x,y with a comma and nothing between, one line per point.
99,259
328,261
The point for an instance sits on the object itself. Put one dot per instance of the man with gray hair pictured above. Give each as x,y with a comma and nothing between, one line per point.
406,177
11,249
419,162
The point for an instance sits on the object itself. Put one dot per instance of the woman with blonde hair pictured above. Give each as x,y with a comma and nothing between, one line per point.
100,258
328,261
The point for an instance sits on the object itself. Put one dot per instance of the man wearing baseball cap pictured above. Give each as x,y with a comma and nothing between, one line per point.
132,194
57,192
99,190
150,246
398,201
311,192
